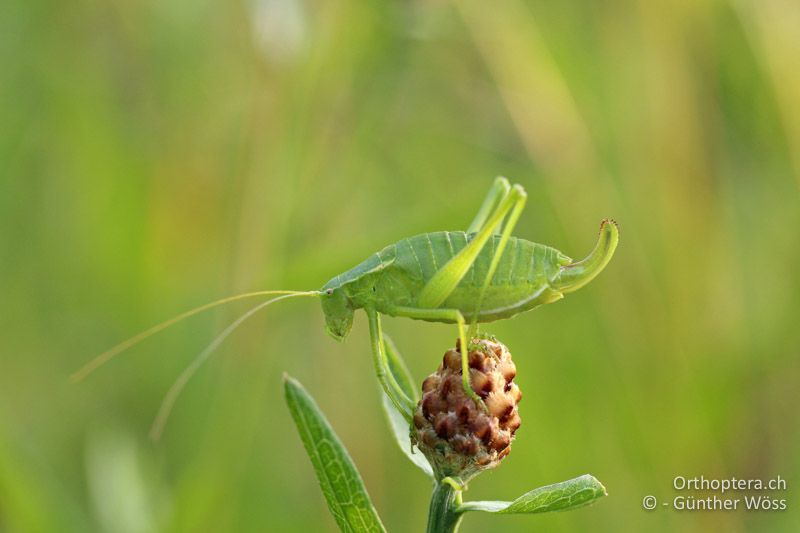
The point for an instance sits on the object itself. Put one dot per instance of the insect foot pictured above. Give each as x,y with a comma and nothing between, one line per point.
459,438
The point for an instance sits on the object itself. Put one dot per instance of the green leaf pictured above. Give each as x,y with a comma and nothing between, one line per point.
400,429
399,369
341,483
563,496
398,424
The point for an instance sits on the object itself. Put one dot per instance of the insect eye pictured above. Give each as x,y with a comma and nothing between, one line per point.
329,291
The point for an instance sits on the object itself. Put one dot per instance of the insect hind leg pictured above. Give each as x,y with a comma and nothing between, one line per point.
497,192
439,287
517,198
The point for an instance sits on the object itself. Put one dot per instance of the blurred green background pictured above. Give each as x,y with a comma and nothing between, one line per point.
156,155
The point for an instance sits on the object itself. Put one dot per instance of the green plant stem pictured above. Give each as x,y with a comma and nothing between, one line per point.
442,515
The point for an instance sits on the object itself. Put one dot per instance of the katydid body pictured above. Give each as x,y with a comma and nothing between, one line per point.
394,277
481,275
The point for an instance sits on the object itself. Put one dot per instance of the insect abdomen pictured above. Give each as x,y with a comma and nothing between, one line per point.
520,282
423,255
397,274
523,262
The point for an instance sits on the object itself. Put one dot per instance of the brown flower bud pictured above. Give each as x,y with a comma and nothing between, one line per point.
458,436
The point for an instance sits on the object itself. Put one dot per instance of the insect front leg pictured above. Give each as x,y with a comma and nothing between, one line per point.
382,370
447,315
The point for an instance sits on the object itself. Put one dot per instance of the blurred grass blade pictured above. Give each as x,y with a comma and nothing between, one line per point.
340,481
32,499
400,430
399,369
124,498
563,496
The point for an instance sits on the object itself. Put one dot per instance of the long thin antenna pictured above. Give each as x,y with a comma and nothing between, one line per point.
174,391
106,356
